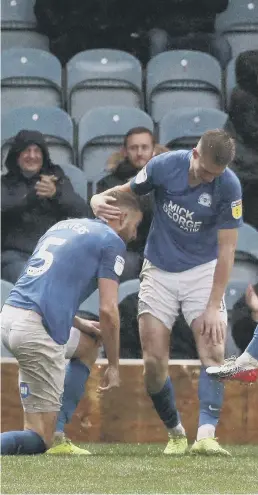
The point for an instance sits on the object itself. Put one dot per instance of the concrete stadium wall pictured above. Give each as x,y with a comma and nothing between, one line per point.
127,414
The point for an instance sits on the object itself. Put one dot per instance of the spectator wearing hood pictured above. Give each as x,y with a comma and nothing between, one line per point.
35,195
243,126
139,147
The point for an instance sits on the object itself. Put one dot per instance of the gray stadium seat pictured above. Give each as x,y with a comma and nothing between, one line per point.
235,289
77,178
245,271
30,77
54,123
101,132
97,77
239,23
91,305
182,78
6,288
230,80
183,127
247,243
18,25
127,288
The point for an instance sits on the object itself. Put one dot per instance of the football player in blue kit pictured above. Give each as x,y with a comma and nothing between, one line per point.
70,261
188,259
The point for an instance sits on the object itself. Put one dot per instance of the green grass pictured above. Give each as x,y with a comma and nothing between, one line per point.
126,468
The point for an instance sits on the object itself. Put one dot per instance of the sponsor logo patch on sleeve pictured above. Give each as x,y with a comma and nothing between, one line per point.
236,208
141,176
119,266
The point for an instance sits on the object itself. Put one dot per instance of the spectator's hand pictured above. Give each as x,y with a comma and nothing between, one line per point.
103,208
252,301
211,325
111,379
46,187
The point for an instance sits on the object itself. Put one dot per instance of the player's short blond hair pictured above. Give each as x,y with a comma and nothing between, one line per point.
126,200
219,146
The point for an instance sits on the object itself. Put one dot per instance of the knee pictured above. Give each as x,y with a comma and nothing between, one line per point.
155,373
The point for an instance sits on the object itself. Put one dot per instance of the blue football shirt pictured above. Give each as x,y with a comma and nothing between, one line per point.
186,219
64,270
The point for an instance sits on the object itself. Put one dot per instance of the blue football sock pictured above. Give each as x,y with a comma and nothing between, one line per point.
76,376
22,443
211,393
165,404
252,348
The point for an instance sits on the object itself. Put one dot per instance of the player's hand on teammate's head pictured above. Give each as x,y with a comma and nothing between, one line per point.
104,207
46,187
251,299
110,380
211,325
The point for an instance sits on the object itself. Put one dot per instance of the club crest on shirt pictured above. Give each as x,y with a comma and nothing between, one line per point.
205,199
119,265
236,208
141,176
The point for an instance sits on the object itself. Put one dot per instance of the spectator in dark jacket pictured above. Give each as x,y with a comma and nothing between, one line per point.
243,126
139,148
35,195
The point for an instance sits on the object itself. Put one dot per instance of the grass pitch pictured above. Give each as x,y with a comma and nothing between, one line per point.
127,469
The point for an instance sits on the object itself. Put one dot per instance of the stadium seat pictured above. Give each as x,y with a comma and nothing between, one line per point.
30,77
54,123
6,288
91,305
239,23
183,127
77,178
230,80
235,289
18,25
182,78
101,132
247,243
97,77
127,288
245,271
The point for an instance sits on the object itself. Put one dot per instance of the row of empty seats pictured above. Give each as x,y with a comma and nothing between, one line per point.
101,131
94,78
239,23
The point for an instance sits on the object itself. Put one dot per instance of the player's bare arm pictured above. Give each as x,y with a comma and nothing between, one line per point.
103,205
110,327
91,328
210,320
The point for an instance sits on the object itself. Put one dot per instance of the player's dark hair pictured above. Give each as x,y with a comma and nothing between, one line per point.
219,146
126,200
139,130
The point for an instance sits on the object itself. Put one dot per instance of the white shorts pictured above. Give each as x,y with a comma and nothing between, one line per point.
41,360
163,293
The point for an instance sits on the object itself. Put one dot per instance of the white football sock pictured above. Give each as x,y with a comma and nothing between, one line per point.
205,431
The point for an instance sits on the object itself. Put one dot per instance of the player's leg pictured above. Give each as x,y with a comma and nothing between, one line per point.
82,351
158,309
41,378
242,368
196,287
